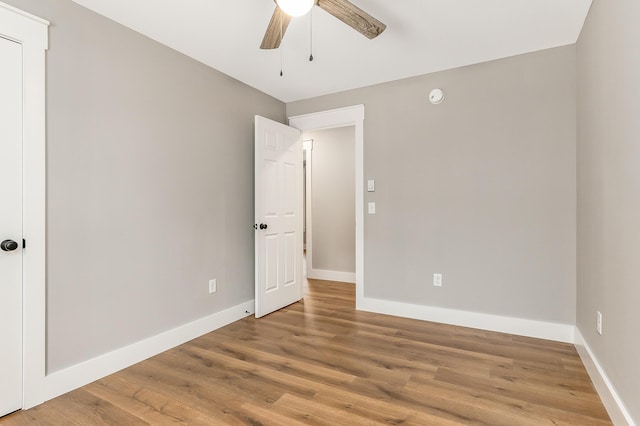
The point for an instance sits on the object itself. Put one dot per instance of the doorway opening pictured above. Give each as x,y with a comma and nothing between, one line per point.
329,176
331,119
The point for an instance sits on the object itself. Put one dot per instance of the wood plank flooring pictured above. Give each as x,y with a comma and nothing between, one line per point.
321,362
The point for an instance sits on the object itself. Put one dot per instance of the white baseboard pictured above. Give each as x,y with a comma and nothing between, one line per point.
522,327
78,375
71,378
610,398
321,274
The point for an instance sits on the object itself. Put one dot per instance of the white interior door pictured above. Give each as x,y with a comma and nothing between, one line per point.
278,215
10,226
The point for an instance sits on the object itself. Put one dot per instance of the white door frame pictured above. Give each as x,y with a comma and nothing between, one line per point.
32,33
349,116
307,148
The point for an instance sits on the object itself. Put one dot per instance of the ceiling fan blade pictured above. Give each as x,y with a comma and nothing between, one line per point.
276,29
353,16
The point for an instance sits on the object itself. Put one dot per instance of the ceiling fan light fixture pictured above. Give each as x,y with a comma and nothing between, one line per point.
295,7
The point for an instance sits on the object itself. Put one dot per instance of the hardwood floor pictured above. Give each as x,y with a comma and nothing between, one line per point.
320,362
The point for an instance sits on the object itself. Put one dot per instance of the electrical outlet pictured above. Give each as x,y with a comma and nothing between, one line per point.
437,280
213,286
599,322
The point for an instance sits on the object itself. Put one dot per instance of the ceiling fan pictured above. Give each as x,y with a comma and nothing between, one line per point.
344,10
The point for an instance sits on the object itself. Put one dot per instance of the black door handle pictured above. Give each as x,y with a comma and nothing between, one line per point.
263,226
8,245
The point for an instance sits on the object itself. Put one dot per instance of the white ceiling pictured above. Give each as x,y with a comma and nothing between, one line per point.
422,36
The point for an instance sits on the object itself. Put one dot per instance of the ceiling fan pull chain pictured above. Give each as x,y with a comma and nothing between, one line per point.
281,54
311,35
281,62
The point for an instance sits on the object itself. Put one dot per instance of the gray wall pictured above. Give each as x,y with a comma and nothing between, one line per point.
609,191
333,201
480,188
150,185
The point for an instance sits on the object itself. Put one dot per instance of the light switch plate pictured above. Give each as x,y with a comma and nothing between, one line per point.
371,185
371,208
437,280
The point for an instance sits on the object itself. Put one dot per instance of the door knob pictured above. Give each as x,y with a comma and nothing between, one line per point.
263,226
8,245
